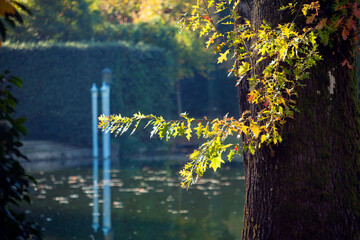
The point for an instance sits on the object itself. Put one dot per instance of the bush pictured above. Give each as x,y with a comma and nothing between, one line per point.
14,181
58,77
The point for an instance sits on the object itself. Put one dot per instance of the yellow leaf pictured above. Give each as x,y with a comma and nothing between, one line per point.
244,129
194,155
312,38
231,154
262,138
209,42
286,32
305,9
255,129
244,68
216,163
199,129
223,56
206,130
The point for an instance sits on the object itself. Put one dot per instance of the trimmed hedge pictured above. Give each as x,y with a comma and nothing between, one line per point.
56,98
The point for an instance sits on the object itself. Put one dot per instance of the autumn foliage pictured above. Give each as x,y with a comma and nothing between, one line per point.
288,53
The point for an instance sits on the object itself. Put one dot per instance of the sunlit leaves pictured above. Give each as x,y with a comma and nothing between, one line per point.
209,154
199,129
285,54
312,6
243,68
216,162
223,56
255,128
231,154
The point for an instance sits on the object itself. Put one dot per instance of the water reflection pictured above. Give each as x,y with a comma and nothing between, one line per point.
147,203
95,194
106,199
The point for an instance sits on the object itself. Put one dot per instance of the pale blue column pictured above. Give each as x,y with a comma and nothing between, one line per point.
94,104
105,101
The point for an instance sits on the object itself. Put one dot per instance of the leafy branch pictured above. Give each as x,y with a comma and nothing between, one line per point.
286,53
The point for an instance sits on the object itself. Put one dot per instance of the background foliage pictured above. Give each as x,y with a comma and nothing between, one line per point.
63,46
14,182
58,77
57,80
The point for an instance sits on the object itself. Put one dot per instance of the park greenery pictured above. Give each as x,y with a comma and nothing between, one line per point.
14,181
149,40
288,53
65,93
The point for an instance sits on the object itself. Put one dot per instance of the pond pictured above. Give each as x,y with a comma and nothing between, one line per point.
147,203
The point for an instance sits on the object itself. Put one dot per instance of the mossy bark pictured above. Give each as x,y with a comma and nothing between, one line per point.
308,188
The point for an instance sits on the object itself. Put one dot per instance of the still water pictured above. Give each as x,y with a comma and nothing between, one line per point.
147,204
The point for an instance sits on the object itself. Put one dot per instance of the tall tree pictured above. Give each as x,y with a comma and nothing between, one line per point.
308,186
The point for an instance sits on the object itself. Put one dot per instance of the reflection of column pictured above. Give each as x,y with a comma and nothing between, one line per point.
107,198
105,101
94,102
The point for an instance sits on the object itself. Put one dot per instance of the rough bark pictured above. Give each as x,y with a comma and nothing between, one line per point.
308,188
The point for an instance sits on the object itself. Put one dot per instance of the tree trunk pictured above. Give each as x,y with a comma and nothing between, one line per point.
308,187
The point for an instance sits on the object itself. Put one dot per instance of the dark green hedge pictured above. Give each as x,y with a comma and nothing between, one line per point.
56,97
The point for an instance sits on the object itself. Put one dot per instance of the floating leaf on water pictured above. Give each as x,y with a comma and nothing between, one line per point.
172,211
183,211
171,184
201,188
118,204
155,178
170,198
138,177
74,196
213,187
62,200
89,191
240,178
116,184
225,184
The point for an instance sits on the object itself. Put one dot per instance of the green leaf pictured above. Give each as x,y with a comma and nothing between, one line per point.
251,149
244,68
216,162
231,154
163,130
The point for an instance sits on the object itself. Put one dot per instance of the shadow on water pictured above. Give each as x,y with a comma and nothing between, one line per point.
146,203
